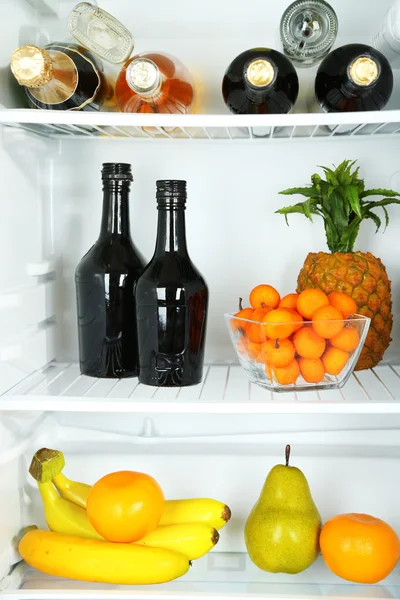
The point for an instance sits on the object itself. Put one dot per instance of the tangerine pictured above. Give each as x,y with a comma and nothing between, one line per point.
256,331
347,340
278,353
335,360
359,547
125,506
298,319
264,296
289,301
308,344
327,321
343,302
279,323
254,351
243,313
312,369
242,345
289,374
309,301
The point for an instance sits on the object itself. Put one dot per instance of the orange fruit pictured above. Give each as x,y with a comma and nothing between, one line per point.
312,369
125,506
254,351
243,313
279,323
264,296
278,353
268,372
343,302
255,331
289,374
327,321
335,360
309,301
242,346
359,547
289,301
347,340
298,319
308,344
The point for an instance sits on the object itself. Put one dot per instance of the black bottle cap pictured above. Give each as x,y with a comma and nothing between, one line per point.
171,193
116,172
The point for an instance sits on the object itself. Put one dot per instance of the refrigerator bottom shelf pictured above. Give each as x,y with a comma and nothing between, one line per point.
218,575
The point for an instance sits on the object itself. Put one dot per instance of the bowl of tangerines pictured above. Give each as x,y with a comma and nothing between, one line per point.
300,341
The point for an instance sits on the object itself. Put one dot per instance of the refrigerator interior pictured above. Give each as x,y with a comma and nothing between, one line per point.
221,438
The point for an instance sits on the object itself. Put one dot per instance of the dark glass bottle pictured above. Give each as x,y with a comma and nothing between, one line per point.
60,77
260,81
355,77
171,300
105,280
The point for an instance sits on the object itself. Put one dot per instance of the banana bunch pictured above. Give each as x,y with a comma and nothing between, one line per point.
188,529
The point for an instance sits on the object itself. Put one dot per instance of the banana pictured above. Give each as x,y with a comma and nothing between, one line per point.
206,510
63,516
74,491
92,560
191,539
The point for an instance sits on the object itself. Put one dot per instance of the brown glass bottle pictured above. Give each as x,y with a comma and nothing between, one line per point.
355,77
60,77
171,300
105,280
260,81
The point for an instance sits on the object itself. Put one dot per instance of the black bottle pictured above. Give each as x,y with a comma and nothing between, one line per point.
355,77
105,280
260,81
171,300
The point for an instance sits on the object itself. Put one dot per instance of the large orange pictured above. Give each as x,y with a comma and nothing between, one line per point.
125,506
359,547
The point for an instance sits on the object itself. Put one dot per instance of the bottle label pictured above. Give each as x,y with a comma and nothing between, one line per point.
169,368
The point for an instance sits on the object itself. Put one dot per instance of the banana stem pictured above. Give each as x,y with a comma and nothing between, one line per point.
287,454
46,464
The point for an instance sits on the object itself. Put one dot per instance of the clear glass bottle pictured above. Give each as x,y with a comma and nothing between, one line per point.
154,82
105,283
260,81
308,30
100,32
60,77
171,300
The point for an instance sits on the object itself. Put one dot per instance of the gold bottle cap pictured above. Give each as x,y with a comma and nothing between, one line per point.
364,71
143,76
31,66
260,72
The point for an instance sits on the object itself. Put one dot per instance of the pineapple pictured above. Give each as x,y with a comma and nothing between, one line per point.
342,201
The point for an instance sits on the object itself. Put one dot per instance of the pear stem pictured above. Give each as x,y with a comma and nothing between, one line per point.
287,454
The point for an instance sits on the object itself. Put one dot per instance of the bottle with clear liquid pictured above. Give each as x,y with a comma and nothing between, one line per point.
171,300
387,39
260,81
154,82
100,32
105,286
59,77
308,30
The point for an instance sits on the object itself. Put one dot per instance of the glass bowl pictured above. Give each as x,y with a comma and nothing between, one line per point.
261,355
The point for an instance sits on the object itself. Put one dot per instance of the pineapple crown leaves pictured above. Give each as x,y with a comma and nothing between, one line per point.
343,203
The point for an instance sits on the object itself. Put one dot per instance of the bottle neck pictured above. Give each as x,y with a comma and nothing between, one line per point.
115,217
171,232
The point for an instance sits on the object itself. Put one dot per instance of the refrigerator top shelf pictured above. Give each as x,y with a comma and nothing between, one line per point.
225,390
71,125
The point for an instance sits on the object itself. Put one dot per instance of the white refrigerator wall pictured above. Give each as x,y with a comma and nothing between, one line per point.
234,236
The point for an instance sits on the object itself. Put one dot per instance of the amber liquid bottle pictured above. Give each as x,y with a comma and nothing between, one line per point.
105,280
355,77
260,81
171,300
60,77
154,82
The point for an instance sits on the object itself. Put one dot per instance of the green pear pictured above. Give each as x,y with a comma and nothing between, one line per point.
282,531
